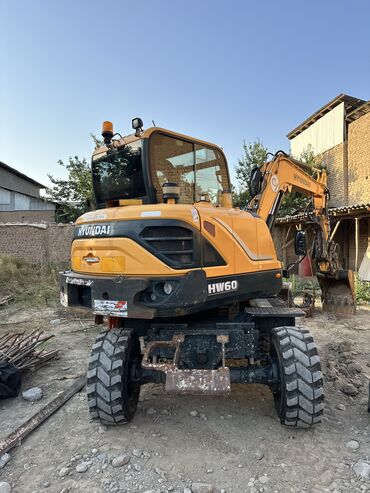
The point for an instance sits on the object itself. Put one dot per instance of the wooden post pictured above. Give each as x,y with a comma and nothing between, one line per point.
335,229
357,231
283,246
346,243
286,243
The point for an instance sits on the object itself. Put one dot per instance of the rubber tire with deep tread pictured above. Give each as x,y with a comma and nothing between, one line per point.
299,399
112,399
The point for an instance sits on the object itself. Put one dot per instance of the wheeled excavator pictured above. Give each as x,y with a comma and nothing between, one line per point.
185,286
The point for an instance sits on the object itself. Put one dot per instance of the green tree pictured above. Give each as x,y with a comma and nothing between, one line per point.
296,202
255,154
73,195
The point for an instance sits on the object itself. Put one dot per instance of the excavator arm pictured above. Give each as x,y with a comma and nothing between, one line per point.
283,175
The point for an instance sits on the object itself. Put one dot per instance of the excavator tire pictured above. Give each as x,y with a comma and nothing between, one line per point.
112,398
299,397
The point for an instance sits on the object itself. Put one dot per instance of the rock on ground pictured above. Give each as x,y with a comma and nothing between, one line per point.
202,488
64,472
259,454
4,459
5,487
353,445
120,460
348,388
362,469
32,395
83,467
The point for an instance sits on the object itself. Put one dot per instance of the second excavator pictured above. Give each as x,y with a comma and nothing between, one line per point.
282,175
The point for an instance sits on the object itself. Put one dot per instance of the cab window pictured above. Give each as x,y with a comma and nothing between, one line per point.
199,171
210,174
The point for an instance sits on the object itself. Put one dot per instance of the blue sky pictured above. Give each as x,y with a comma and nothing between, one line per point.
221,71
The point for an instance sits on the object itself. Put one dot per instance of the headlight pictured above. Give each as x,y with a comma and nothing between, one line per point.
168,287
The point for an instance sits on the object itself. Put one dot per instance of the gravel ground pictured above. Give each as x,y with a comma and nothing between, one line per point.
192,444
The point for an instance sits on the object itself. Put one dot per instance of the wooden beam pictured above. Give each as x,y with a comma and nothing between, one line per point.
282,247
287,244
335,229
357,234
287,235
20,433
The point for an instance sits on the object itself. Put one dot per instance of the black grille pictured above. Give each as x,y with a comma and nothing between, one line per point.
173,242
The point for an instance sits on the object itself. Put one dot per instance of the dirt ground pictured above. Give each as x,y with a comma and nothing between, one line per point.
234,443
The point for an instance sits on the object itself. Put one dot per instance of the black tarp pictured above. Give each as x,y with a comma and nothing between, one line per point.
10,380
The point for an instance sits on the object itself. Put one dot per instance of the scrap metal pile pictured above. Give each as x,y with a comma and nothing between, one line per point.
24,351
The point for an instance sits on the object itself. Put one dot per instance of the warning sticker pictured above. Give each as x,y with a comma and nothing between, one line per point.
275,183
195,215
110,307
79,281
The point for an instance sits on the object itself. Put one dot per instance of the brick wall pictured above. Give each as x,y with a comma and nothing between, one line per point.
348,166
37,243
359,160
335,161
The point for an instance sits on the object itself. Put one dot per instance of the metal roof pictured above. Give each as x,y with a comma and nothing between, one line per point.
21,175
345,210
358,112
350,103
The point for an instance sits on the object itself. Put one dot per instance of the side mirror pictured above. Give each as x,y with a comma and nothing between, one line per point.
255,182
300,243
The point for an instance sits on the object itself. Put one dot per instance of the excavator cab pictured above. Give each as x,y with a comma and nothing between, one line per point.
139,168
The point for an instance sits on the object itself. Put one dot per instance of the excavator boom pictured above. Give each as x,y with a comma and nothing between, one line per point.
282,175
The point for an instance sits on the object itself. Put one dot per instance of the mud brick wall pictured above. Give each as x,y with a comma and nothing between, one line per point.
37,243
348,166
359,160
27,216
335,161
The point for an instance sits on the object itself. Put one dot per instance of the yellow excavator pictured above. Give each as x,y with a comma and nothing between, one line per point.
185,285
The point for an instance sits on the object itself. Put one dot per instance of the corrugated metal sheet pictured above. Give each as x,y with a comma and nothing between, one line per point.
15,183
4,197
41,205
322,135
14,201
350,210
21,202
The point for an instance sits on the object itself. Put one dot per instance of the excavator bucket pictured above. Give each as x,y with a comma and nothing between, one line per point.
338,292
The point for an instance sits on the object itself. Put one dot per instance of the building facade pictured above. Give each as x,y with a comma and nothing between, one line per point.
20,199
339,135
